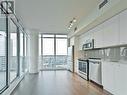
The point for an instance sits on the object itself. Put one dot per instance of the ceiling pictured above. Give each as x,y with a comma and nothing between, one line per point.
53,16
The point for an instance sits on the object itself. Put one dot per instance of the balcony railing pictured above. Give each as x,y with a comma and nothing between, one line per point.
2,63
53,62
46,62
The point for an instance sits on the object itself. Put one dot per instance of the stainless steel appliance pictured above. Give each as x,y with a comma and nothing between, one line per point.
88,45
70,59
83,68
95,70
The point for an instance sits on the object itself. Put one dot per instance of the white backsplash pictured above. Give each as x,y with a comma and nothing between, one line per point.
95,53
81,54
110,54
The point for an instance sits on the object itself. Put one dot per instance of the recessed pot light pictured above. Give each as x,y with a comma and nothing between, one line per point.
74,20
69,28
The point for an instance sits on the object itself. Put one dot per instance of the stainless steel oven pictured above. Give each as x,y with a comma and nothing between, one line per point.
83,68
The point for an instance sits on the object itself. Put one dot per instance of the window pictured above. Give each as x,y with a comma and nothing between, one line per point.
2,59
40,45
61,46
61,36
3,53
54,51
10,67
25,53
61,51
48,46
13,51
21,53
48,36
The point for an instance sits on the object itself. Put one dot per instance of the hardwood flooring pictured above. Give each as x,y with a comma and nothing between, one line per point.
56,83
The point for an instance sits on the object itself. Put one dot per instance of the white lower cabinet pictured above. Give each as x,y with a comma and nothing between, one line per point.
114,77
108,79
76,66
121,79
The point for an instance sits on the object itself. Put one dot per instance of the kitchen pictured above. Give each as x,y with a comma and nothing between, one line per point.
67,47
100,54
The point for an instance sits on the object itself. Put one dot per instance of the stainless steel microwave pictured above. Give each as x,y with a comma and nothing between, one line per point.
88,45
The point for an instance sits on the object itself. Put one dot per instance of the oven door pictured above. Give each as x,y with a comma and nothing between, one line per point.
83,67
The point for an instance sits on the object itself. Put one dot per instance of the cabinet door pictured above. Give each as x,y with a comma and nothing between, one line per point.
123,27
111,32
121,79
108,76
76,66
81,41
98,38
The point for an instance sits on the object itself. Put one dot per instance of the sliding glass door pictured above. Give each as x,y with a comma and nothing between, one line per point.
53,51
13,51
3,53
13,45
21,53
25,64
61,52
48,51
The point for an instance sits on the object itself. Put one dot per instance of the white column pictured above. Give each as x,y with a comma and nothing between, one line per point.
33,52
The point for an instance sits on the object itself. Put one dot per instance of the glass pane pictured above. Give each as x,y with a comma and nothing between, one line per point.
2,52
48,46
25,43
25,53
21,44
21,54
40,57
61,53
13,51
2,60
61,36
61,46
54,58
48,53
39,35
48,35
39,46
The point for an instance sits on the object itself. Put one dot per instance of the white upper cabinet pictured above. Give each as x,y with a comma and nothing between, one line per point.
123,27
89,35
98,36
84,38
81,41
111,32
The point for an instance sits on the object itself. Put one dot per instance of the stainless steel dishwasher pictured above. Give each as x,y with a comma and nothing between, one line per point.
95,73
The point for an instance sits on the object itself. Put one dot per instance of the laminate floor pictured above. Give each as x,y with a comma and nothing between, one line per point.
56,83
